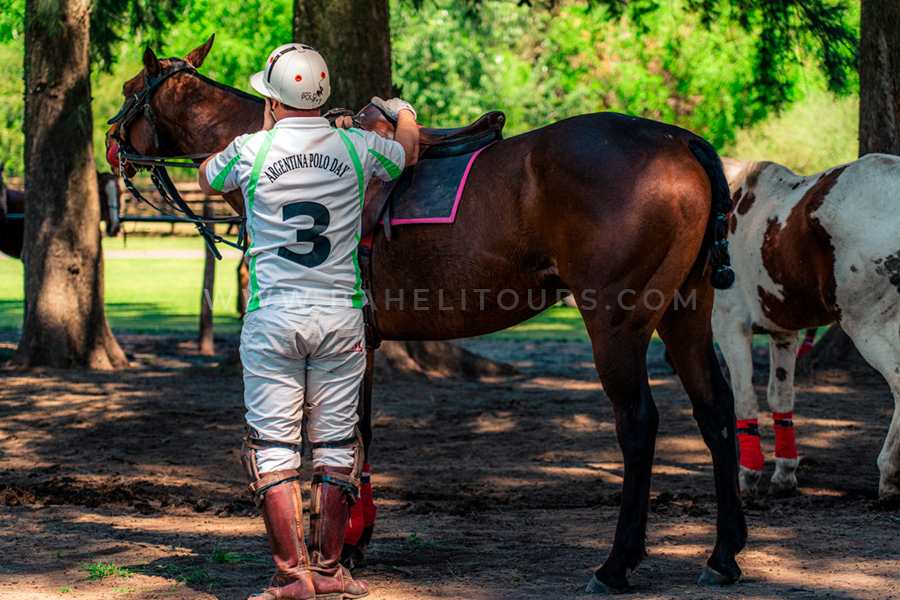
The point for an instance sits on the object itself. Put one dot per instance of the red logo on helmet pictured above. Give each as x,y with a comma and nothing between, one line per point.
323,74
298,77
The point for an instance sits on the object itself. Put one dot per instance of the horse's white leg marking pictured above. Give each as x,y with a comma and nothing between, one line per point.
782,359
112,198
735,339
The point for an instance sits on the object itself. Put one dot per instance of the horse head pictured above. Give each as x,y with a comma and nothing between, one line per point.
110,202
172,110
152,121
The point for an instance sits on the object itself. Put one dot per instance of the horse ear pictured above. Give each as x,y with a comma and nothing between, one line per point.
198,55
151,63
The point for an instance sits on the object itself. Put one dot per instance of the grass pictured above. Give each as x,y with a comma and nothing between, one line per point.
162,294
221,557
101,570
158,295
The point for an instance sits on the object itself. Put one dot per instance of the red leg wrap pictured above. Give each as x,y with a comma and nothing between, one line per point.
751,450
355,524
806,345
362,513
785,446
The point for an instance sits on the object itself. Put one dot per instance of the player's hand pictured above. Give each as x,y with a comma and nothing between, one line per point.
344,122
392,107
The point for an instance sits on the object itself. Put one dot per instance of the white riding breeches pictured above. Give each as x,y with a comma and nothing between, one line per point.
307,359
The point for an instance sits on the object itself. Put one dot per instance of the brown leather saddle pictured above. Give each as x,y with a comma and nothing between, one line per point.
433,144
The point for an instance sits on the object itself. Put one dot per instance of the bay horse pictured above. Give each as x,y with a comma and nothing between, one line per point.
611,207
12,202
810,251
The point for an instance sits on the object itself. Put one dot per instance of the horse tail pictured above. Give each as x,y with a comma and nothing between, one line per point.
717,227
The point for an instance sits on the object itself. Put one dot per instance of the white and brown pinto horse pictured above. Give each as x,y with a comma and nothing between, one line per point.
12,202
807,252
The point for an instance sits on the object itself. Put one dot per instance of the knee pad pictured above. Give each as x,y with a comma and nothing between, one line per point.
348,482
258,482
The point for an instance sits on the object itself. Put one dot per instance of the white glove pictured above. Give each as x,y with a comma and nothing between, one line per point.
393,107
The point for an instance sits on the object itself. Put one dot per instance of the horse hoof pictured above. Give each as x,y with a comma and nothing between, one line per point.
782,490
712,578
598,587
749,480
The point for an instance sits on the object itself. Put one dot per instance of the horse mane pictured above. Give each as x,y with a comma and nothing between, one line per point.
228,89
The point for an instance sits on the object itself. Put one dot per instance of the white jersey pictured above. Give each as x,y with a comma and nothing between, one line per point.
303,185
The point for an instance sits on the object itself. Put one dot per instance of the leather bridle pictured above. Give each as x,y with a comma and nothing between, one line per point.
138,105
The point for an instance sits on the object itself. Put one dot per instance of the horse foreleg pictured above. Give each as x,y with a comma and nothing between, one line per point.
688,336
621,363
735,339
782,358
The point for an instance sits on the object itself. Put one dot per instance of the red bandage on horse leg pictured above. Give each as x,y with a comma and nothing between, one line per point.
785,446
362,513
751,451
368,503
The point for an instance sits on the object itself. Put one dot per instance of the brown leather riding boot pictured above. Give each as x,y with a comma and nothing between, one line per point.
282,510
328,513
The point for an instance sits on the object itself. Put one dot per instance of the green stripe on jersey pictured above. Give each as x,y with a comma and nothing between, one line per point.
219,181
253,304
354,157
392,169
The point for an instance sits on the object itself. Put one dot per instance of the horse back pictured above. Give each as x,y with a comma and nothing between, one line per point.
800,244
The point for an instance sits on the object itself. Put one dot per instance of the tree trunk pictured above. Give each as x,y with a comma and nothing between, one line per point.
354,38
879,77
879,131
206,341
65,323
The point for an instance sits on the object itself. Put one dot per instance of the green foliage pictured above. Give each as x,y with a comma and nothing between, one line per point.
543,66
688,62
114,21
12,108
814,134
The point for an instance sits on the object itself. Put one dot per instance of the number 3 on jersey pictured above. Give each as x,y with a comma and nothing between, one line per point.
321,245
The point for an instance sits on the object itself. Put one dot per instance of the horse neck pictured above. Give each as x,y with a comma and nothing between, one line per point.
204,116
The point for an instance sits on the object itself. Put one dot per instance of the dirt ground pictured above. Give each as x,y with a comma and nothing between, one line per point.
504,488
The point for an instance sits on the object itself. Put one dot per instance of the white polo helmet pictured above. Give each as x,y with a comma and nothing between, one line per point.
295,75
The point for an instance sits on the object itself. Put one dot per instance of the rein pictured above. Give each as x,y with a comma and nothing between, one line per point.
140,104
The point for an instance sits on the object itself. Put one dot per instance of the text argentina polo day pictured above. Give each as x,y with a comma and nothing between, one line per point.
312,160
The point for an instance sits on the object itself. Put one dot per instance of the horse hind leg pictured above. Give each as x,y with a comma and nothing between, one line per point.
879,344
687,333
782,359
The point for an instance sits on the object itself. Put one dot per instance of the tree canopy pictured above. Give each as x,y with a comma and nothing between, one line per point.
713,66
